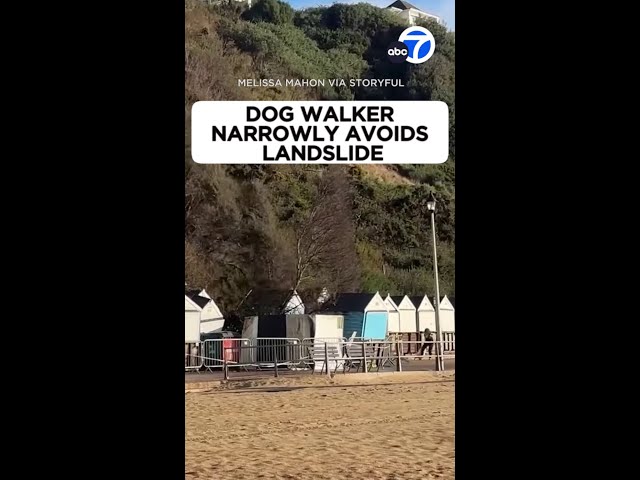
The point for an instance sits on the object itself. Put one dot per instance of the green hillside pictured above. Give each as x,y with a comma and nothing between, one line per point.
253,231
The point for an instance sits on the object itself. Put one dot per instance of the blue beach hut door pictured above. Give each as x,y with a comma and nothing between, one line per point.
375,325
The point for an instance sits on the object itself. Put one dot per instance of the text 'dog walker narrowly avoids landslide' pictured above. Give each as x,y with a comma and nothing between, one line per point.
320,132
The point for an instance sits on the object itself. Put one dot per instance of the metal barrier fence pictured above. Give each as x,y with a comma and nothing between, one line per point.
277,350
216,351
192,358
312,354
259,352
413,341
449,339
408,337
332,355
323,351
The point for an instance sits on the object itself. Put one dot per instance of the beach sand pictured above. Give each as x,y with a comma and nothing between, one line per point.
356,427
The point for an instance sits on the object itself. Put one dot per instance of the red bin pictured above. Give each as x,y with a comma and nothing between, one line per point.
231,350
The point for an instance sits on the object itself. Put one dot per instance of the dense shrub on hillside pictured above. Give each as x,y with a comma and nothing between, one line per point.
271,11
285,49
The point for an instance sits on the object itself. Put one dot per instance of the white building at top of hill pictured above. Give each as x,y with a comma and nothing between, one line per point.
411,13
217,2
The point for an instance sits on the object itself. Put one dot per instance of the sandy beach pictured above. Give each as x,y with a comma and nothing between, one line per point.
356,427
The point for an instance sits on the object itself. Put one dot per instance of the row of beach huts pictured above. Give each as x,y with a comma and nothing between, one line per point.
360,315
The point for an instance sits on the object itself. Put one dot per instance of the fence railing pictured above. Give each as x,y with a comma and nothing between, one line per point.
412,340
216,351
314,355
449,339
271,351
323,351
192,358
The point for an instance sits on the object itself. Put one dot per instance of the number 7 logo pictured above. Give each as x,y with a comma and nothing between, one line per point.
419,42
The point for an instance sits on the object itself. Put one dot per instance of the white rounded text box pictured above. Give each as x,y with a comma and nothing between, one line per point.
320,132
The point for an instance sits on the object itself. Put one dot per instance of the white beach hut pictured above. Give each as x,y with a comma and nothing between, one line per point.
328,329
294,306
425,313
366,314
407,310
191,320
211,318
394,315
447,315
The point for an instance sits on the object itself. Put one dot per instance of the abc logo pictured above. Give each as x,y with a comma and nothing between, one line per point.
397,52
419,43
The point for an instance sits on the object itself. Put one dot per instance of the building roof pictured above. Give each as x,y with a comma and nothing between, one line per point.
416,300
194,295
200,301
357,302
452,300
402,5
391,304
397,299
269,301
293,303
348,302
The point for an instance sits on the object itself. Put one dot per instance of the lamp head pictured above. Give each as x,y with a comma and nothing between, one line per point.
431,203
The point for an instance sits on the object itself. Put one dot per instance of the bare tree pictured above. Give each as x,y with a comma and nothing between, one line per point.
325,237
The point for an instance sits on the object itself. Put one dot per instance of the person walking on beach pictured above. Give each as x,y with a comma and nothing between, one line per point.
428,342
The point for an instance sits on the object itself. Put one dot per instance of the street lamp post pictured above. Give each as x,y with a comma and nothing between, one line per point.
431,206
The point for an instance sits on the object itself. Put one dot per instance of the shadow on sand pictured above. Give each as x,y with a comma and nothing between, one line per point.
278,389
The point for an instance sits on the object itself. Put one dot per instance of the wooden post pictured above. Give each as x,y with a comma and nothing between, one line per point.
275,360
399,352
225,366
326,357
364,358
442,363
